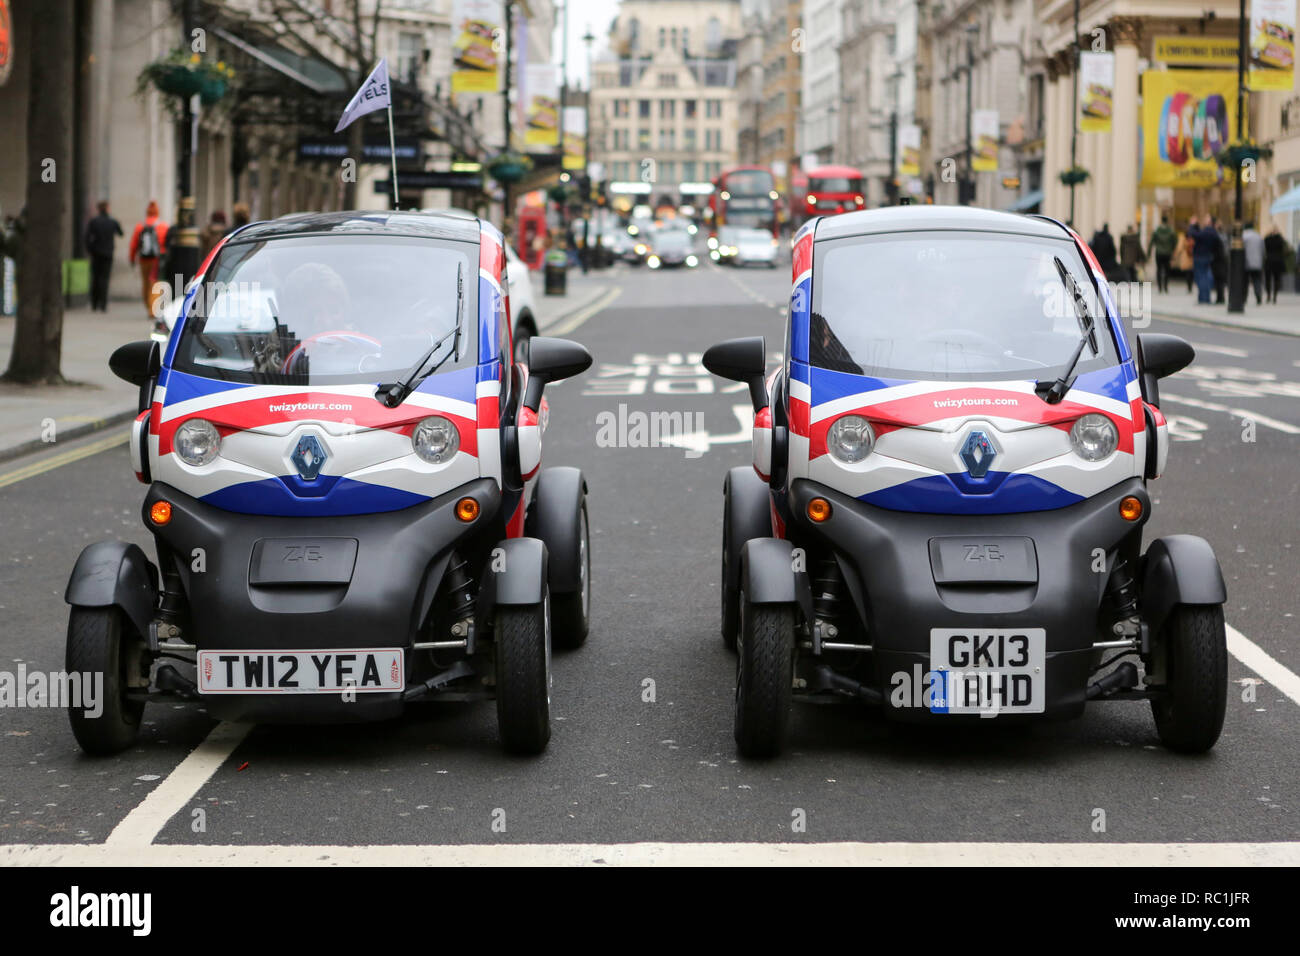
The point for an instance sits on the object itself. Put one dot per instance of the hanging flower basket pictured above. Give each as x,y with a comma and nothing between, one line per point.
509,167
1239,153
1074,176
182,74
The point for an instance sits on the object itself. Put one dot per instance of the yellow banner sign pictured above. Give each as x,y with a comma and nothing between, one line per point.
1187,117
476,26
1272,44
1196,51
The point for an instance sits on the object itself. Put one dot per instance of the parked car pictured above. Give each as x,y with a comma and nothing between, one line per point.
945,511
344,491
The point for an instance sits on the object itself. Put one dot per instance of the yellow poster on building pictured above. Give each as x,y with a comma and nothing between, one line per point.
575,138
1096,91
1196,51
984,129
909,150
1272,45
1187,117
543,96
476,26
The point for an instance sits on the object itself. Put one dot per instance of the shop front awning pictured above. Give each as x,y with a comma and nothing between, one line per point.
1026,202
315,76
1288,202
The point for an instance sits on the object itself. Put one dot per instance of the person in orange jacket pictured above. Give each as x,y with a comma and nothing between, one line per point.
148,242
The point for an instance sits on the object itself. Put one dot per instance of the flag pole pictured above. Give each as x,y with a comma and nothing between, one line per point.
392,151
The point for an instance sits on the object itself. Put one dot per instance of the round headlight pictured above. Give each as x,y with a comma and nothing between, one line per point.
1094,437
197,441
850,439
692,261
435,440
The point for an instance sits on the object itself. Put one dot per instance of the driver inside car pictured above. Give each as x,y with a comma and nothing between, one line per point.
315,306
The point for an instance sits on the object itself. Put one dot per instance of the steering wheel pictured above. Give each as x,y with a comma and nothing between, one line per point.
355,343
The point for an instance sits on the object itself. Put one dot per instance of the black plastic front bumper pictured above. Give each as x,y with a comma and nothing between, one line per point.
247,588
898,597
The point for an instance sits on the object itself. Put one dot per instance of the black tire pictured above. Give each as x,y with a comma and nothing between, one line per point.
1189,715
744,516
97,638
571,613
764,677
523,675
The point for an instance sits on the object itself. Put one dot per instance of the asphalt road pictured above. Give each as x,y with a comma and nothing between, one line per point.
623,768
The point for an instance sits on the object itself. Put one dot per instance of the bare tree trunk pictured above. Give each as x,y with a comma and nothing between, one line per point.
38,331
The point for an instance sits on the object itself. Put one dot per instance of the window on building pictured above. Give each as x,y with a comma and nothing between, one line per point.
711,170
674,37
712,140
621,137
622,109
643,109
668,171
713,109
686,38
688,139
713,35
688,109
633,34
667,79
688,171
667,139
621,171
410,50
667,109
643,138
663,37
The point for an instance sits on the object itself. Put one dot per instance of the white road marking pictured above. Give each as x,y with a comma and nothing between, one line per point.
143,824
1257,418
1257,659
1220,349
703,440
666,854
565,326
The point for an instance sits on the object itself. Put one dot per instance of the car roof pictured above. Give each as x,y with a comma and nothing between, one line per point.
918,218
427,225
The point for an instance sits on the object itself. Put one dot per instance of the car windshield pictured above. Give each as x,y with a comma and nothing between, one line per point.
753,236
959,306
674,240
329,310
834,184
749,182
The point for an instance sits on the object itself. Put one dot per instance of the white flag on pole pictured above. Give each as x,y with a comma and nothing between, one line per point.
372,96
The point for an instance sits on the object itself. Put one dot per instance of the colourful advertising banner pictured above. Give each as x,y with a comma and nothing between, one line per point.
1096,91
1187,117
1272,45
542,89
476,25
575,134
984,130
909,150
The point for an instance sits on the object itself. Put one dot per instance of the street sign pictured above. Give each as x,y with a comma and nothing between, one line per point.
1010,182
373,152
421,179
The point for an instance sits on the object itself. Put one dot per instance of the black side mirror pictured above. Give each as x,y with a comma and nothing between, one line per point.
550,360
1160,356
136,362
741,360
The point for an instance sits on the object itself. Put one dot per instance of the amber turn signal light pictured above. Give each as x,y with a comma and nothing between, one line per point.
819,509
1130,509
160,512
467,509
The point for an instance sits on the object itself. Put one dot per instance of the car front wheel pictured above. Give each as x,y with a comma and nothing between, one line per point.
1189,712
101,647
764,677
523,676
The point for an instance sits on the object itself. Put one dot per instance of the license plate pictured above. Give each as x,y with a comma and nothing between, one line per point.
988,670
365,671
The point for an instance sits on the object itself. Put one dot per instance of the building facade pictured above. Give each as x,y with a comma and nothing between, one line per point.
819,80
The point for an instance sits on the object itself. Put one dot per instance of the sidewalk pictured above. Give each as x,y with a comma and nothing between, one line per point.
101,400
1281,318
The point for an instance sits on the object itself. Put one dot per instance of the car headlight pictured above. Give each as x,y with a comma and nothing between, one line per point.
640,249
850,439
197,441
435,440
1093,437
692,261
713,242
653,262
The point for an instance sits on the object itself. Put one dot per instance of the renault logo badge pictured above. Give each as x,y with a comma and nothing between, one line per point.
308,457
977,453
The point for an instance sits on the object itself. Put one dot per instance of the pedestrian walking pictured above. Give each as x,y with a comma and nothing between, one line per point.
1164,241
147,244
1103,247
1130,252
212,233
101,234
1274,262
1253,243
1220,265
1182,260
239,217
1204,243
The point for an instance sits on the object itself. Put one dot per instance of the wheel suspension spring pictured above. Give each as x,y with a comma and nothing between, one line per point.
826,588
1121,592
461,596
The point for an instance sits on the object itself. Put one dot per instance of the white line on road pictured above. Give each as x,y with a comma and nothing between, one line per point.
666,854
1257,659
1238,412
565,326
145,822
1220,349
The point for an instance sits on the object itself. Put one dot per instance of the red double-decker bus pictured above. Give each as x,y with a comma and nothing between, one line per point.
744,196
832,190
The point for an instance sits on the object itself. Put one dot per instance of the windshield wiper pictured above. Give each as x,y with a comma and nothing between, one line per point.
396,393
1053,392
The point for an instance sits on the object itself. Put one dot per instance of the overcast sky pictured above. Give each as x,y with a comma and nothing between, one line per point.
584,14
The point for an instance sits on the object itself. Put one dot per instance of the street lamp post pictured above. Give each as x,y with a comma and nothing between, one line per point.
593,256
968,187
1074,114
892,191
183,253
507,212
1237,249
